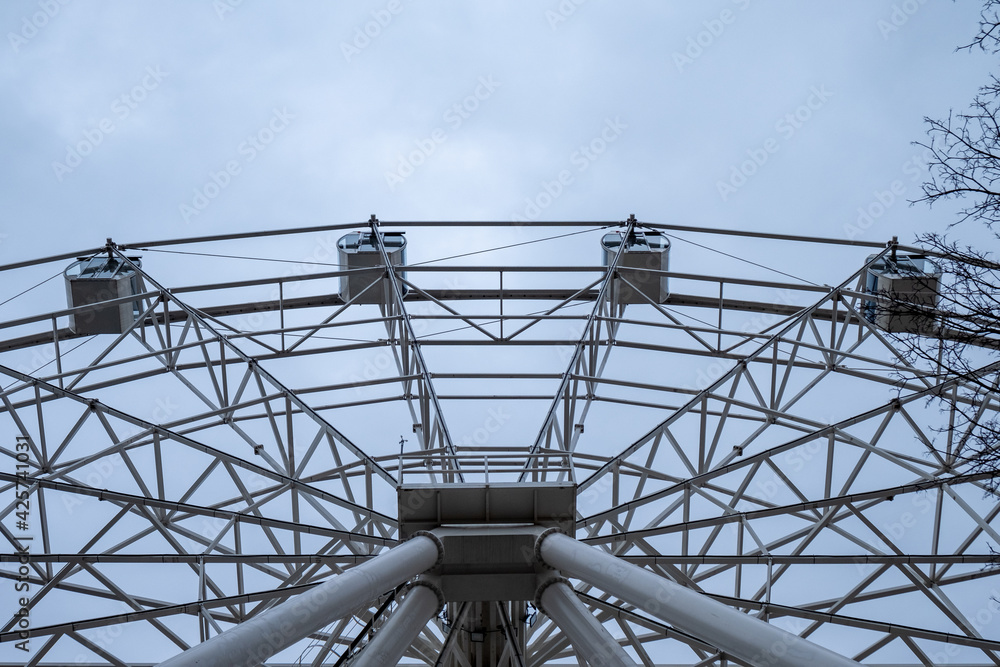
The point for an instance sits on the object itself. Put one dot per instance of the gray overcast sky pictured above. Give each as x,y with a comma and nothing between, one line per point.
144,120
141,120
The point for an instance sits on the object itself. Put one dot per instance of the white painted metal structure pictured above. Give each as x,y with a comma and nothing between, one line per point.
754,438
558,600
256,640
418,607
739,635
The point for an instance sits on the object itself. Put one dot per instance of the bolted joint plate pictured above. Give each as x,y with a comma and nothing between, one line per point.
437,542
432,583
545,580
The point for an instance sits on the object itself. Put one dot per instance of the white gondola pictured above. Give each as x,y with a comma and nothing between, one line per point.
646,256
358,250
904,291
101,286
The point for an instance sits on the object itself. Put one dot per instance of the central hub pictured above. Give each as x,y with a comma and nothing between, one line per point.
488,532
487,563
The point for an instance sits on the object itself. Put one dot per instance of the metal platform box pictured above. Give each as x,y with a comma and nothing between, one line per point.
357,250
645,252
897,283
92,281
488,531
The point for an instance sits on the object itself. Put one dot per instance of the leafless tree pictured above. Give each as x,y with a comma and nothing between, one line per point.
965,147
945,318
962,338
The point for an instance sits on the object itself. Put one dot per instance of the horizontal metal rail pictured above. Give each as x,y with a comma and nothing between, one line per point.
450,224
315,559
188,510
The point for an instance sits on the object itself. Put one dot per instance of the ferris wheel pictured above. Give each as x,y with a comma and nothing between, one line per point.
473,443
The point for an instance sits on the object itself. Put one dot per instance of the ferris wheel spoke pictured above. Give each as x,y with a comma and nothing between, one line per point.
805,535
656,631
892,630
120,594
867,590
633,641
857,593
150,610
49,580
43,650
729,376
557,642
693,332
410,352
262,376
588,339
839,434
968,542
177,526
799,510
140,605
120,447
762,443
96,648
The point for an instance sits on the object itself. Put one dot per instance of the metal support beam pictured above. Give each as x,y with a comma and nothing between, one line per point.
561,395
742,636
787,326
590,639
401,630
256,640
451,641
411,339
292,396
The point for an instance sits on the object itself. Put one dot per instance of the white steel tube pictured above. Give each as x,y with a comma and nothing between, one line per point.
589,638
401,630
254,641
744,637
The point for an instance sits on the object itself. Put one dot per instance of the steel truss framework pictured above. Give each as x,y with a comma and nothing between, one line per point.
756,440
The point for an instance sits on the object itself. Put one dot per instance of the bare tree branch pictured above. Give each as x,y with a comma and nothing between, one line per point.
946,321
